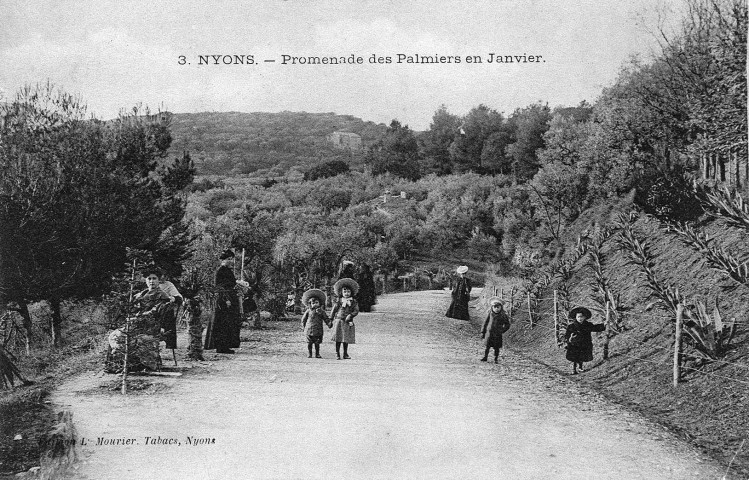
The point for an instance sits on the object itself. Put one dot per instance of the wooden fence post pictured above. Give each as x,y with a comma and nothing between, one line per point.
530,311
556,320
608,332
512,300
677,344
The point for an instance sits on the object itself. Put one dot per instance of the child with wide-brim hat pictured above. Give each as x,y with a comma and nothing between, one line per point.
343,313
578,339
314,318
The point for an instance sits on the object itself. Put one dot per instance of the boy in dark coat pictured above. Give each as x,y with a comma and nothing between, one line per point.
313,319
495,325
577,338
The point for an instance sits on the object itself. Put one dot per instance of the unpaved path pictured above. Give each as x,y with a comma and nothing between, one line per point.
413,402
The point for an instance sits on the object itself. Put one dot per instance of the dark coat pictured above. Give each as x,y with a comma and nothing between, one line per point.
579,341
312,322
223,329
494,326
366,295
461,295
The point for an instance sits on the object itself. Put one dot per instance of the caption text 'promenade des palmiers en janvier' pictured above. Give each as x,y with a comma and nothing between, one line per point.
354,59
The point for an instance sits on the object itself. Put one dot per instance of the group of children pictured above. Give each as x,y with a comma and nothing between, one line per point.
341,318
577,338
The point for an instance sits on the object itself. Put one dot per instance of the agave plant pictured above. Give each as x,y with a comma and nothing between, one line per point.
726,204
711,335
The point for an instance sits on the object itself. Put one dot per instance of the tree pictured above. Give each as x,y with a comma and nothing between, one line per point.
76,192
529,125
478,126
397,152
435,143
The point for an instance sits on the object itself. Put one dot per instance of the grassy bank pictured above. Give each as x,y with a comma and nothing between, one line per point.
709,406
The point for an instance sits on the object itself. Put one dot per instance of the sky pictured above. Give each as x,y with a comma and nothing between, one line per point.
119,54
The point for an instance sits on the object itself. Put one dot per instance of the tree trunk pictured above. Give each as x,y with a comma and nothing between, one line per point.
23,309
56,322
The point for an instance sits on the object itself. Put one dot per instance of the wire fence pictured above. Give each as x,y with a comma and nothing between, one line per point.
536,317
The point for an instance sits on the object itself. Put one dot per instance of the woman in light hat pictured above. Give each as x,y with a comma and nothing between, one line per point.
313,319
495,325
461,294
577,338
343,313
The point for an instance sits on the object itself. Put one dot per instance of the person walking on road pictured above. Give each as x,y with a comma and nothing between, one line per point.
343,313
495,325
577,337
313,319
461,294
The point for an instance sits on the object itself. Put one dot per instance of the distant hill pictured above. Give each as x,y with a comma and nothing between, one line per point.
266,144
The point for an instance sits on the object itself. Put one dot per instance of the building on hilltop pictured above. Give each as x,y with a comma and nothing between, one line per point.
345,140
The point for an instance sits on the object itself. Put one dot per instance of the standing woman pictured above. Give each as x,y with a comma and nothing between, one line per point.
461,294
367,295
222,332
577,338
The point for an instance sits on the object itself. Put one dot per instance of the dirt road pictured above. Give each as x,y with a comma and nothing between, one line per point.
413,402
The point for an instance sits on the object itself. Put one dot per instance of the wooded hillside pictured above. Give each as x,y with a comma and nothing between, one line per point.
265,144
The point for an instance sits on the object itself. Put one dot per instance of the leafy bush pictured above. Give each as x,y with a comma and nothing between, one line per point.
671,197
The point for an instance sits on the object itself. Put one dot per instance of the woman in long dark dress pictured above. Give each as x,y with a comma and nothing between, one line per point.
461,294
578,339
223,334
367,295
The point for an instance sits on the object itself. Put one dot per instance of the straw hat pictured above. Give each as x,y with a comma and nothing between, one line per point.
314,293
346,282
586,313
462,269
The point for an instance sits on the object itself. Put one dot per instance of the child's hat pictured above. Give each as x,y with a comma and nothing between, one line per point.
586,313
495,301
462,269
314,293
346,282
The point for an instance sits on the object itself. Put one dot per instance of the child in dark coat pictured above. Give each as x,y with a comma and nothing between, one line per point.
495,325
577,338
313,319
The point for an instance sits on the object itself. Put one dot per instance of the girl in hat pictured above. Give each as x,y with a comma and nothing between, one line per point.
577,338
343,314
313,319
461,294
495,325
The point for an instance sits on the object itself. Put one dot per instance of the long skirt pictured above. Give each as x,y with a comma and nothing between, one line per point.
169,324
221,331
458,309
